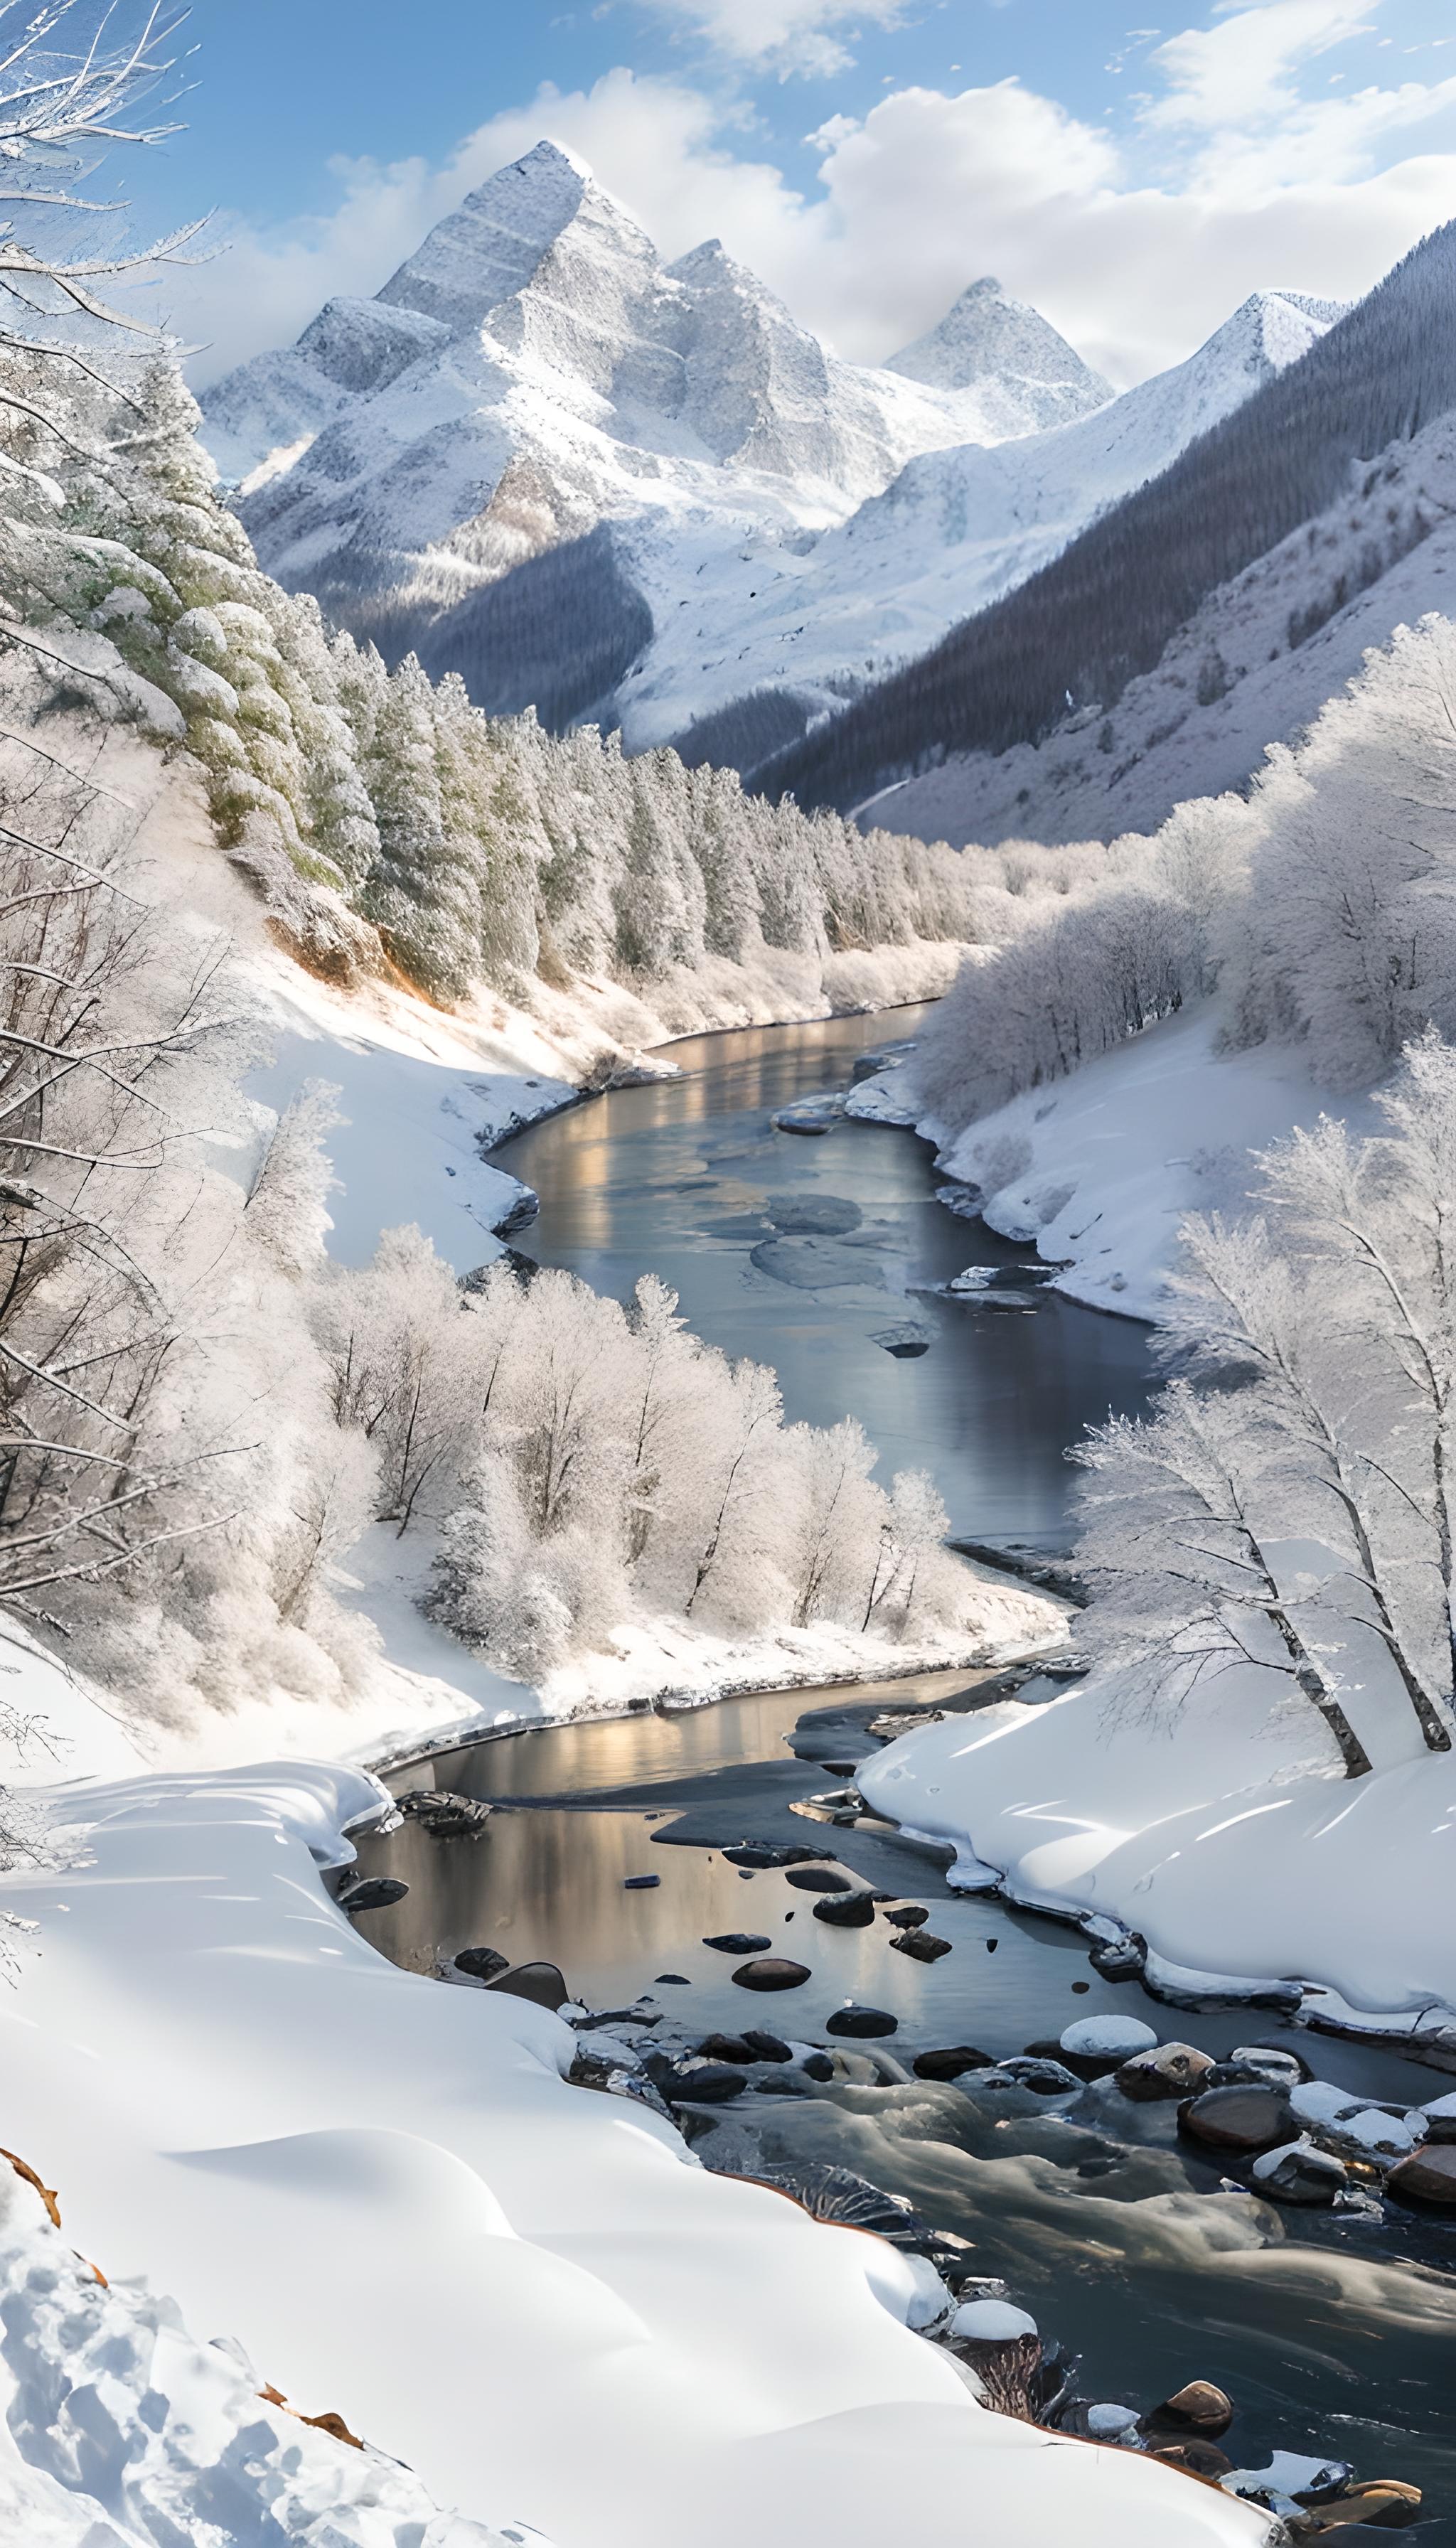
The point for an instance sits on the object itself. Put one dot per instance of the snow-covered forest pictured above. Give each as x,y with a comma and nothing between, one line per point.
1317,914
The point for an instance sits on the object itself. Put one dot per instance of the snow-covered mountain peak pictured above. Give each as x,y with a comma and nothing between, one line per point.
494,244
1268,332
989,334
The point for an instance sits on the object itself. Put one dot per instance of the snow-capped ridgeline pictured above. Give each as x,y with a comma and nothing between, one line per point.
956,528
990,336
535,366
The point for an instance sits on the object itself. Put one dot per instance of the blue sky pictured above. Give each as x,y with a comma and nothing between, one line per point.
1133,180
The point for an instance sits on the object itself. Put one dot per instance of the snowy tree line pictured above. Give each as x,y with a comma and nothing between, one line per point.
200,1413
1102,612
1321,913
480,850
1287,1505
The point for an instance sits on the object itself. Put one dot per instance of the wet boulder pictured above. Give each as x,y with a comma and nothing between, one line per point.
765,1853
846,1910
1172,2070
541,1983
1195,2458
725,2048
1379,2504
371,1893
739,1942
1297,2172
908,1915
1427,2176
766,2047
1440,2119
703,2083
1200,2407
920,1945
482,1964
1252,2117
948,2061
771,1972
444,1814
862,2021
818,1879
1044,2078
1093,2045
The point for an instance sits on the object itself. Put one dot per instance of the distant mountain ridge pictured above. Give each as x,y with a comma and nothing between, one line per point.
1063,648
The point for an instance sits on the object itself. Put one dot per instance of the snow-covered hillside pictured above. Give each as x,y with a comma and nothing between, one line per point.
1252,667
954,529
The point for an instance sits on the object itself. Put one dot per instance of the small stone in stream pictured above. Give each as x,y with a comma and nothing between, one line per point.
1440,2119
1173,2070
1107,2422
639,1883
372,1893
1195,2458
908,1915
781,2083
1271,2061
747,1874
862,2021
1229,2073
766,2047
1044,2078
681,1979
919,1944
542,1984
948,2061
738,1941
818,1879
846,1910
1086,1986
771,1974
1198,2407
991,1944
444,1814
707,2083
1427,2175
1240,2119
482,1964
1380,2502
726,2047
1297,2172
817,2066
1118,1960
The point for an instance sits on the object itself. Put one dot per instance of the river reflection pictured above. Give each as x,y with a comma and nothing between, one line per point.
683,1179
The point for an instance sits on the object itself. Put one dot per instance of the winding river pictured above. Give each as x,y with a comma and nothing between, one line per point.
1334,2334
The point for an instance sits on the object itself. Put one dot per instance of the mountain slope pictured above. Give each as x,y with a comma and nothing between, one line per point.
956,529
1103,613
535,370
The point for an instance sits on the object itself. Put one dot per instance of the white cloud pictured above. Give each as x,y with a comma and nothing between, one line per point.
780,34
929,191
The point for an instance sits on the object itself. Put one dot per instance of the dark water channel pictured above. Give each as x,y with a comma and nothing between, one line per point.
1335,2335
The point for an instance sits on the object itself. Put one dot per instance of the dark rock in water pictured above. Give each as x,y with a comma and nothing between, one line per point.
1300,2174
682,1980
444,1814
1198,2407
542,1984
738,1941
1081,1986
1173,2070
371,1893
763,1852
837,2194
726,2047
919,1944
771,1973
908,1915
482,1964
1044,2078
1119,1960
818,1879
846,1910
640,1884
1234,2074
783,2083
1238,2118
705,2084
862,2021
766,2048
747,1873
1429,2175
991,1944
908,1348
948,2062
1196,2458
817,2066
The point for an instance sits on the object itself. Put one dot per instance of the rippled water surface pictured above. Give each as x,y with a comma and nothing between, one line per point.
685,1178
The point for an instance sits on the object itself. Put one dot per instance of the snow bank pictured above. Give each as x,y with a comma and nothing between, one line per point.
528,2295
1098,1170
1223,1847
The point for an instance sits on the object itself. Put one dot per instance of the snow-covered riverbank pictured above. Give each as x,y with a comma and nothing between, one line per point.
384,2192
